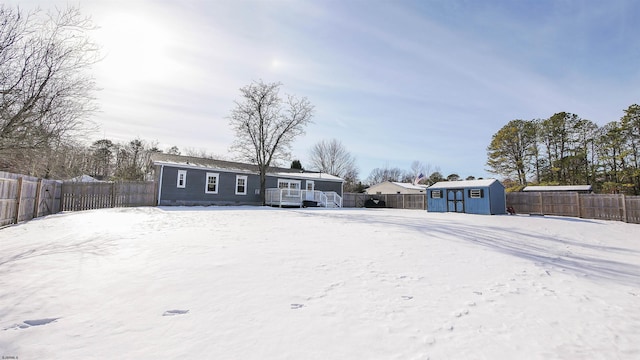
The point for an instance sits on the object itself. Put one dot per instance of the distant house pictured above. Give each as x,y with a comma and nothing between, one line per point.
583,189
392,187
84,179
184,180
469,196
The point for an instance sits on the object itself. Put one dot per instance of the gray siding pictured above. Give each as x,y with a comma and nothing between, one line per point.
194,191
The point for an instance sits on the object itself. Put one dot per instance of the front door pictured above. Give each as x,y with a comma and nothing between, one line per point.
455,200
310,188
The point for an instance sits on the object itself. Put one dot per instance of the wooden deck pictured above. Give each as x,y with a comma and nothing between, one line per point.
297,198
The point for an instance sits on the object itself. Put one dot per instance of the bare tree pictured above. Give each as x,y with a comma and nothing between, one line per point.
379,175
200,153
45,90
418,168
332,157
266,125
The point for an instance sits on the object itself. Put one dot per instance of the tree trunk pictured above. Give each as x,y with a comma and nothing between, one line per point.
263,186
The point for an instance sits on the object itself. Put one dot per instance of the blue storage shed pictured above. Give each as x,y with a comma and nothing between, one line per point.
469,196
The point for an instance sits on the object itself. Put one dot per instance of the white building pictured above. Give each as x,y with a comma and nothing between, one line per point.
392,187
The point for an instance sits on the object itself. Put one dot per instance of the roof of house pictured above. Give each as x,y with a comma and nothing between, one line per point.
407,186
84,178
231,166
462,184
410,186
558,188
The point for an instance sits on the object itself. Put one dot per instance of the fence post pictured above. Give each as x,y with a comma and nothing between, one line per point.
36,204
18,201
540,198
579,204
624,209
113,195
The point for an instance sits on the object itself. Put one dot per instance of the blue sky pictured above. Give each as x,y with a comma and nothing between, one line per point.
394,81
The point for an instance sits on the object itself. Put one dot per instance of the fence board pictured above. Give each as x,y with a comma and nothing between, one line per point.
396,201
633,209
589,206
27,200
99,195
23,198
8,201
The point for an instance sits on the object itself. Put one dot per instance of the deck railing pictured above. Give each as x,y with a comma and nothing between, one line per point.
333,199
295,197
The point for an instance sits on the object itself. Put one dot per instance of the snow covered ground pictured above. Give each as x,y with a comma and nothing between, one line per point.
267,283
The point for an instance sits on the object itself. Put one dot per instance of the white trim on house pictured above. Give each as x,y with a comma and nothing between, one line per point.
181,180
160,184
215,183
244,179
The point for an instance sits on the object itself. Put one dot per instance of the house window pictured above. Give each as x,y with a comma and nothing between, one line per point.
476,193
241,185
212,183
182,178
292,186
436,194
310,185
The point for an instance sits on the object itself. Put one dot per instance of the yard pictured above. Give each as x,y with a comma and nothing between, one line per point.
268,283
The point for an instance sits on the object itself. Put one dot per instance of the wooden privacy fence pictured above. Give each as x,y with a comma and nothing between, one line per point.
98,195
23,198
588,206
396,201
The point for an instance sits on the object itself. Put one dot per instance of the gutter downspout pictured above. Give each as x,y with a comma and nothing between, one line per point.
160,184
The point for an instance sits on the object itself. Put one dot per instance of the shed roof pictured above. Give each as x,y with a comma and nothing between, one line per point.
462,184
558,188
232,166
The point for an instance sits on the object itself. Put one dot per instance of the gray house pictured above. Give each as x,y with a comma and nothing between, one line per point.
469,196
184,180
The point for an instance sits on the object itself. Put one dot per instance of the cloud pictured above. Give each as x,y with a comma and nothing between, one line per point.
394,81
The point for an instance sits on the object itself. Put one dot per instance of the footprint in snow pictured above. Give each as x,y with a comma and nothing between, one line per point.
29,323
174,312
296,306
